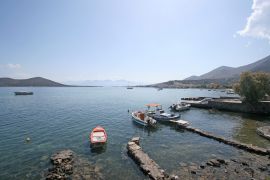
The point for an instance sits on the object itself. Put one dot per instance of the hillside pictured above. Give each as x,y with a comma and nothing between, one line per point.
34,82
204,83
225,72
222,77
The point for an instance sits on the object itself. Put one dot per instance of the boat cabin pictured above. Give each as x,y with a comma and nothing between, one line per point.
154,108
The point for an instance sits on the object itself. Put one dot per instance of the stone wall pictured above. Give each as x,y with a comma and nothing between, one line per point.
236,106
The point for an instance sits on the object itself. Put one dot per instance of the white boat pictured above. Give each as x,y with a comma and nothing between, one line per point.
159,114
180,106
181,122
143,119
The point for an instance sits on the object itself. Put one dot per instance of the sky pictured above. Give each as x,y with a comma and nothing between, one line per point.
137,40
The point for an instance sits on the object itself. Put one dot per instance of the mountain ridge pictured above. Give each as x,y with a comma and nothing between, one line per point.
226,72
31,82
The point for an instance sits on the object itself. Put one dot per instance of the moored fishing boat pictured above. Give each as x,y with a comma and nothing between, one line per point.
159,114
143,119
98,136
182,106
23,93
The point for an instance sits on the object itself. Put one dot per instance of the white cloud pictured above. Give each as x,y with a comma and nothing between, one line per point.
258,23
14,66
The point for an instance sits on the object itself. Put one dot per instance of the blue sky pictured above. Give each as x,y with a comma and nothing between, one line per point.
137,40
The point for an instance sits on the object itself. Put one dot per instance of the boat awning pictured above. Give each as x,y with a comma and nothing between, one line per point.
153,105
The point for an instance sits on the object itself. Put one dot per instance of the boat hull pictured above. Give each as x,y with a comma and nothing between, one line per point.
165,119
23,93
98,137
139,121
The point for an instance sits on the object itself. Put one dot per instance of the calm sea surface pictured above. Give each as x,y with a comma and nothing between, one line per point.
62,118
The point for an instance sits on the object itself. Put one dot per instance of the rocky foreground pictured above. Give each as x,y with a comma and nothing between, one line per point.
67,165
248,166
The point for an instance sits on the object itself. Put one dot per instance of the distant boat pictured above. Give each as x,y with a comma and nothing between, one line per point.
98,136
142,119
23,93
159,89
129,87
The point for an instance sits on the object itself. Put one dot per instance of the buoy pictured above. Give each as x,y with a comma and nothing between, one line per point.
128,110
28,139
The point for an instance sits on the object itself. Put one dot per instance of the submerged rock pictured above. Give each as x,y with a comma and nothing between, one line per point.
67,165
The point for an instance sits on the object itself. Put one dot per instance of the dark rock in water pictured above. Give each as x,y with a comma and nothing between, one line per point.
67,165
213,162
221,161
244,163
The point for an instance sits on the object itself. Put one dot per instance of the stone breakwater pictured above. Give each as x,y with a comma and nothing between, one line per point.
246,147
264,132
147,165
67,165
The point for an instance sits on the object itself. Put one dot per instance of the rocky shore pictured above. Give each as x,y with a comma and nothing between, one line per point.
264,132
246,167
67,165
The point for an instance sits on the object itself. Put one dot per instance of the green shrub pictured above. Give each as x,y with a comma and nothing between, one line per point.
253,86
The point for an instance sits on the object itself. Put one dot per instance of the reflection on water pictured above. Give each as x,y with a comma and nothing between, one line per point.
98,149
62,118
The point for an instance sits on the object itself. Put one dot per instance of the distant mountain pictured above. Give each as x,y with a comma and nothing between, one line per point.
225,72
222,77
35,82
103,83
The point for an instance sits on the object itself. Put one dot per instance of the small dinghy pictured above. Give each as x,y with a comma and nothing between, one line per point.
23,93
142,119
98,136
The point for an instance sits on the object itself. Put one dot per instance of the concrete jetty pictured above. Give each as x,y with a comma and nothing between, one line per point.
229,104
147,165
246,147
